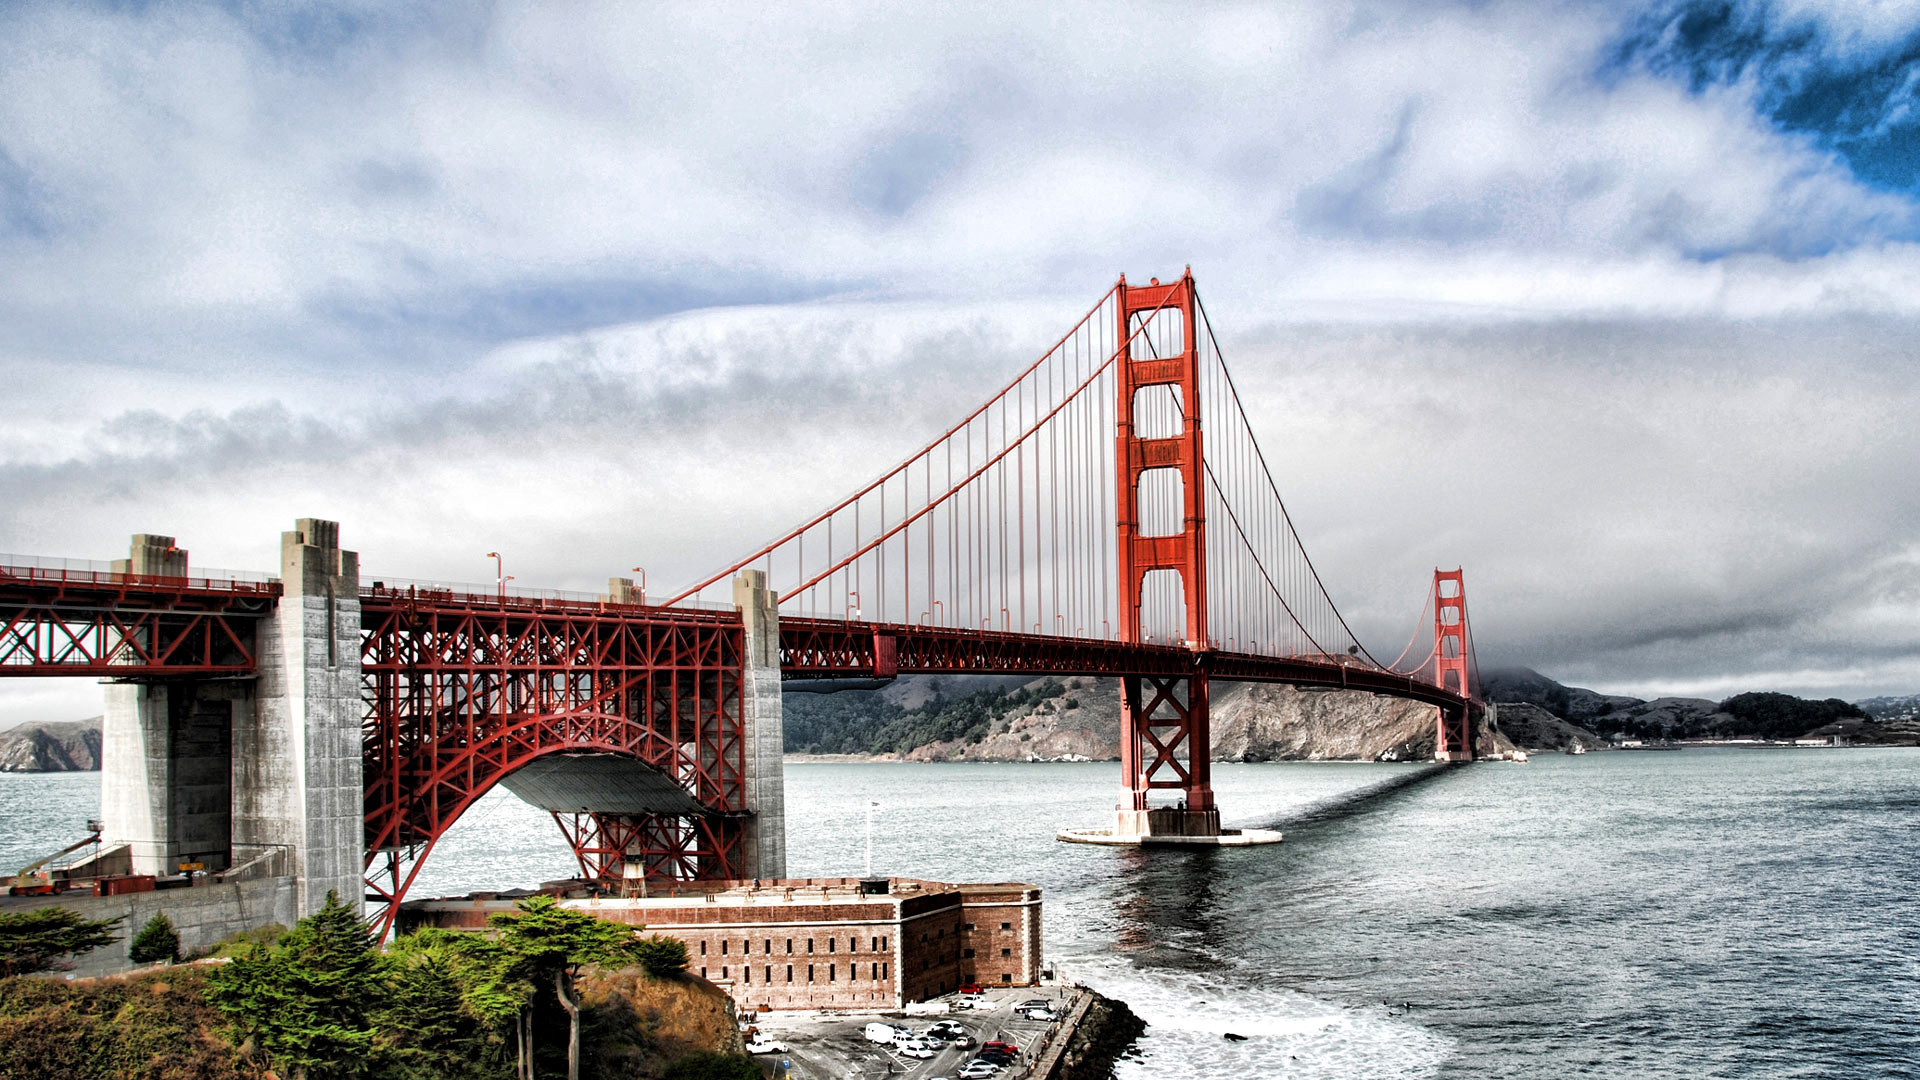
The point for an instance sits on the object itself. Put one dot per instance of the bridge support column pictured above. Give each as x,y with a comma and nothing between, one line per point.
765,849
1164,744
298,763
166,751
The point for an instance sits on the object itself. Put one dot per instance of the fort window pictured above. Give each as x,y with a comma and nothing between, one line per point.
789,972
809,972
703,948
789,946
1006,926
809,946
966,954
969,928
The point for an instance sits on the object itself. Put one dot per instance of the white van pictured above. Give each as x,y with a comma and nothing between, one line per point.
882,1033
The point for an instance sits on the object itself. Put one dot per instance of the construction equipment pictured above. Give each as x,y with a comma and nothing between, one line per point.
35,880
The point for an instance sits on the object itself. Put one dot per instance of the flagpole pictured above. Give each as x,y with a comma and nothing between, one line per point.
870,805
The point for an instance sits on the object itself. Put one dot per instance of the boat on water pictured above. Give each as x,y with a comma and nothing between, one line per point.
1578,748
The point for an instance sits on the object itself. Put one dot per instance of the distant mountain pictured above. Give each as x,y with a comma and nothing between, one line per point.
949,718
73,746
1891,708
1743,716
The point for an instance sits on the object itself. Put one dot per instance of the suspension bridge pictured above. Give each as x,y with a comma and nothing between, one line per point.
1108,513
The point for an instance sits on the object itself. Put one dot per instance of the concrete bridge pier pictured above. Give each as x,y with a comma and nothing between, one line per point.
766,839
166,746
267,769
298,765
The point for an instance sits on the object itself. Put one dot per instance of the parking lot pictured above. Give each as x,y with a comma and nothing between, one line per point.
833,1046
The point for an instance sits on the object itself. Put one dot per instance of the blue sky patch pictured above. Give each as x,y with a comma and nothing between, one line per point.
1861,103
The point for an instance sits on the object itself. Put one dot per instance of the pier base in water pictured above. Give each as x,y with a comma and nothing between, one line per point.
1169,826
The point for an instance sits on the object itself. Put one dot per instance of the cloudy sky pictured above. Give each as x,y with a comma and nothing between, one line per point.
1615,305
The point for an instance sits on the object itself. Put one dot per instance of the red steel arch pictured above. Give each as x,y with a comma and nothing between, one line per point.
462,691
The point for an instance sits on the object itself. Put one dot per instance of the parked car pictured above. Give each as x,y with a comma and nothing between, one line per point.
946,1029
971,990
1044,1015
977,1070
915,1049
1035,1003
766,1046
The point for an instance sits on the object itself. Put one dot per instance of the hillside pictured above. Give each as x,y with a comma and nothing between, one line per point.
1078,719
1743,716
73,746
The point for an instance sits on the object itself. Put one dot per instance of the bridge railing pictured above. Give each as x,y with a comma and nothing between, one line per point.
474,594
42,570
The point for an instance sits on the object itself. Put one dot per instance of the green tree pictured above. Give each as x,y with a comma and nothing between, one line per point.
156,941
661,956
36,940
306,1001
546,944
432,1027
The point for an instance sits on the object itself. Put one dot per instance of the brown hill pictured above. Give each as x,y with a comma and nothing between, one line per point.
73,746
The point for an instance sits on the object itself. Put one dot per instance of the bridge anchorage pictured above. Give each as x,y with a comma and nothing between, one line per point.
314,731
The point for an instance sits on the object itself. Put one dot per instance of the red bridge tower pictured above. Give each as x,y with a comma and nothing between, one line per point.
1454,736
1164,741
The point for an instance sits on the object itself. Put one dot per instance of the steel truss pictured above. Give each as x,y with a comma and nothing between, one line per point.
131,626
461,691
624,851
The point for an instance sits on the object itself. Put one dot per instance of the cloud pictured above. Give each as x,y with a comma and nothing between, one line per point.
1510,286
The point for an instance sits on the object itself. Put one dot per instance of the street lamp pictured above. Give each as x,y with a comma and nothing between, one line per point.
499,574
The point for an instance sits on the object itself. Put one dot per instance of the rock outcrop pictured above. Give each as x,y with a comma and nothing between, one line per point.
69,747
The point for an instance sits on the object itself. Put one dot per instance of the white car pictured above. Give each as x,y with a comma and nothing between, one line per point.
766,1046
915,1049
977,1070
1043,1015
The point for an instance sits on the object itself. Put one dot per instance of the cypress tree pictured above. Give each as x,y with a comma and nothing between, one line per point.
156,941
306,1001
35,940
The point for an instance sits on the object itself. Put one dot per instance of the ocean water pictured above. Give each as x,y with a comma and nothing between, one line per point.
1727,913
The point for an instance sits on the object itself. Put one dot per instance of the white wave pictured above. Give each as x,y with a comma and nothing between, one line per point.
1287,1034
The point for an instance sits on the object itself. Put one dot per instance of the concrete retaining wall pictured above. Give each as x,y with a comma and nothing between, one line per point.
204,915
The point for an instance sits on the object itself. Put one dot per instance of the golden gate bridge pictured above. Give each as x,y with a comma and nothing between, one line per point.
1108,513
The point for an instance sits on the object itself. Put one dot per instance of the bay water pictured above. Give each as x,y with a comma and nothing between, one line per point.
1708,913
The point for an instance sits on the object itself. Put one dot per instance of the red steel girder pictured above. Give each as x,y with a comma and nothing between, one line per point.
461,691
66,622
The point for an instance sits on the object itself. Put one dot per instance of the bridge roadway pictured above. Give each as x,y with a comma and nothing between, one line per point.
56,621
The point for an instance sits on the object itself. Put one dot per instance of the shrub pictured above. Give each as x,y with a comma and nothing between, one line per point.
156,941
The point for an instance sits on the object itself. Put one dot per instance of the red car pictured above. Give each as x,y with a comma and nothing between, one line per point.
970,990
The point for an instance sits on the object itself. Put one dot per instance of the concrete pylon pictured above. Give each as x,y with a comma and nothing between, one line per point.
766,782
165,750
297,760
